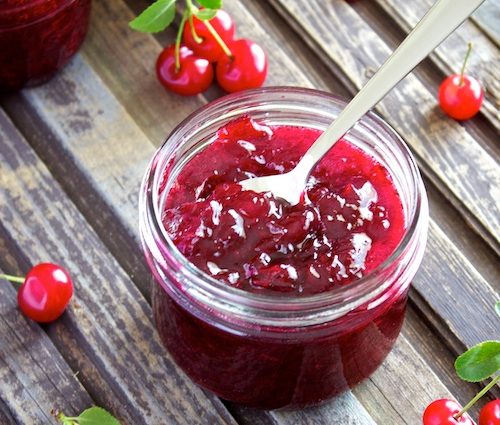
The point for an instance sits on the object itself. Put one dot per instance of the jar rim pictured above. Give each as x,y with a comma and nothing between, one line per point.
357,292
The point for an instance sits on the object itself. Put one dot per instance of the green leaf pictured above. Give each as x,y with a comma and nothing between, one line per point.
97,416
205,14
497,308
156,17
211,4
479,362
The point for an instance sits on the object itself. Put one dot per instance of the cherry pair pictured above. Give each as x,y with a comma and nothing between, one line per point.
239,64
445,412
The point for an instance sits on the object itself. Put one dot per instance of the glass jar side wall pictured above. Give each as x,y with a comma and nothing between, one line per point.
277,372
276,354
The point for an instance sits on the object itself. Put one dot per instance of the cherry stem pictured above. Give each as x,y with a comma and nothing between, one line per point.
477,397
462,71
185,15
218,39
10,278
196,37
67,420
192,10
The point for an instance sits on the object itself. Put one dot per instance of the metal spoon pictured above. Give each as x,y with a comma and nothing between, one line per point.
440,21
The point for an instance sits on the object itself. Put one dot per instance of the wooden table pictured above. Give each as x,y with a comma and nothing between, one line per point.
72,155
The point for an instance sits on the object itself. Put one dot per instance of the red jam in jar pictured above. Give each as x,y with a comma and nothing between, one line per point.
38,37
268,304
349,220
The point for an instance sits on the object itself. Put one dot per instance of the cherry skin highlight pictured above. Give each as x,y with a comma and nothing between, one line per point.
246,69
442,412
193,77
460,100
209,49
45,293
490,413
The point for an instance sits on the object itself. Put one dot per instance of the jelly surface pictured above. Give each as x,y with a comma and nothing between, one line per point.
349,221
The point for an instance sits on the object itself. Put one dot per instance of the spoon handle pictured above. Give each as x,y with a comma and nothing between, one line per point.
442,19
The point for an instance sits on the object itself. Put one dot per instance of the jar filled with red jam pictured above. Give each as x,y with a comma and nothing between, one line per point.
38,37
268,304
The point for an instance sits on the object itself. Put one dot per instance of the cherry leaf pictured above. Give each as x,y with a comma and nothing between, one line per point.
479,362
156,17
211,4
205,14
96,416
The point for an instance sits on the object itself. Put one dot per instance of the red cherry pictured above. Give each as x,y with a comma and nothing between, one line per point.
209,49
490,413
45,293
246,69
461,96
442,412
460,99
194,75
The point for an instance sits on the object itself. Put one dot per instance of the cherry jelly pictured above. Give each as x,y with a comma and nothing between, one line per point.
38,37
267,304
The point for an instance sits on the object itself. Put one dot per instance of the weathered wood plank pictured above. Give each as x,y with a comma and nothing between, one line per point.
343,409
468,243
448,280
408,395
65,140
484,62
6,417
447,153
487,18
34,376
440,358
107,335
135,86
97,137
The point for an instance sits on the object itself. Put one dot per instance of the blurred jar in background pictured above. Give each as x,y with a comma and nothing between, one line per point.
37,38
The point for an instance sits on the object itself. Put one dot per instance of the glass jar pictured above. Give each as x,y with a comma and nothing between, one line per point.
38,37
276,351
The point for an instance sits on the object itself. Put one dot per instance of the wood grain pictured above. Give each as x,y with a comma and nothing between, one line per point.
441,359
289,45
6,417
444,280
80,130
107,335
487,18
447,153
